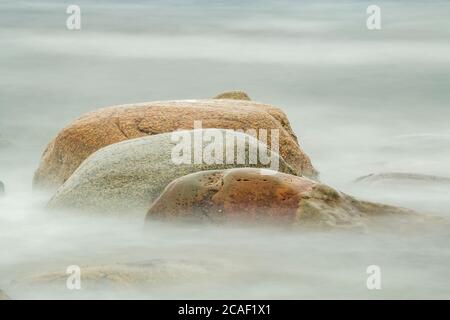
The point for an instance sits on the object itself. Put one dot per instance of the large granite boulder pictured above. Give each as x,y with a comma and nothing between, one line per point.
107,126
128,176
249,194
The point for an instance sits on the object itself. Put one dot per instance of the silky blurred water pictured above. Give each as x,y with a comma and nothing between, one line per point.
360,102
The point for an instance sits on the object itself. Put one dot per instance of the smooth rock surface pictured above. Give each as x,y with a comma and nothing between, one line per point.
250,194
107,126
128,176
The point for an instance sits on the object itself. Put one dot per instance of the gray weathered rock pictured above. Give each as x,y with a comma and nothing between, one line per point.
128,176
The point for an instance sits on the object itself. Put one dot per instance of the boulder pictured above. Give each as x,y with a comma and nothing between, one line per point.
2,189
234,95
249,194
128,176
107,126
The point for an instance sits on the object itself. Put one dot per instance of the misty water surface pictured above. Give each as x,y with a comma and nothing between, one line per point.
360,102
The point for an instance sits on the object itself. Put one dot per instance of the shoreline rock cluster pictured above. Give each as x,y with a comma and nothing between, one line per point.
120,159
107,126
128,176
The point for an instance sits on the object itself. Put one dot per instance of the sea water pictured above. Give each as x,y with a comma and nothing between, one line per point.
360,102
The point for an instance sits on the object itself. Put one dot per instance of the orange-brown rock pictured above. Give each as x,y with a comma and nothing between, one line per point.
110,125
254,194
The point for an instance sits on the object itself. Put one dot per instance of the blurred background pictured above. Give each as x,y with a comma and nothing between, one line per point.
360,101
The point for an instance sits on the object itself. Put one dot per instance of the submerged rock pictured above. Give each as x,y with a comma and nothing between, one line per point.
107,126
128,176
252,194
115,277
402,177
